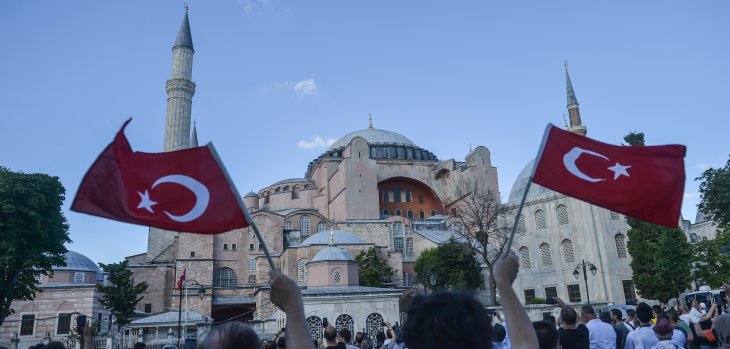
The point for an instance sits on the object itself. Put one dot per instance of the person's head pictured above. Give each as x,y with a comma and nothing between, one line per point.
366,343
358,337
569,316
139,345
644,313
673,317
316,343
269,344
232,335
37,346
722,328
330,335
695,303
656,309
447,319
547,334
587,313
630,314
662,329
389,334
281,342
605,316
499,333
56,345
346,335
380,336
703,306
549,318
616,315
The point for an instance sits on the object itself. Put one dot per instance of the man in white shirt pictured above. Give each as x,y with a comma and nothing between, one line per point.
642,337
601,334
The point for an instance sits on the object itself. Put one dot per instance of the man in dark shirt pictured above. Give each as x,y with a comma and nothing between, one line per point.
572,336
330,336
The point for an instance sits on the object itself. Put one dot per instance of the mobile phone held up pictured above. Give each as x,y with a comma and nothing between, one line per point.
324,322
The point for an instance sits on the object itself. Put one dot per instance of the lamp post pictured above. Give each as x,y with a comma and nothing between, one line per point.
576,273
201,294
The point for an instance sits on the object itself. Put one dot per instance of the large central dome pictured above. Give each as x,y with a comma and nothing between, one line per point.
373,136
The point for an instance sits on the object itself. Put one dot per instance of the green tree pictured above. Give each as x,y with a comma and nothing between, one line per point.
374,271
33,231
711,266
660,257
452,265
715,190
122,294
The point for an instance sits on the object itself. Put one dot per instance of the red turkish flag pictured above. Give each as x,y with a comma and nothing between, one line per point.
645,182
186,190
181,280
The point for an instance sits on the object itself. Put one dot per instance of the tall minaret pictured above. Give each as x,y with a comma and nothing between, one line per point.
180,90
576,125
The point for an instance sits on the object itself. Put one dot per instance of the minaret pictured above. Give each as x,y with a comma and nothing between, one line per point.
576,125
194,137
180,90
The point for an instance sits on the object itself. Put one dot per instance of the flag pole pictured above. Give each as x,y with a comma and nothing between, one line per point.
527,187
242,205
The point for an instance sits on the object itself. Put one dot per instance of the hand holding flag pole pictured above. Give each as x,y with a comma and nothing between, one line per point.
187,190
644,182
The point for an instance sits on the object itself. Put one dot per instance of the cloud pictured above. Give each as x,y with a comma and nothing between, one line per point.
302,88
691,195
306,88
316,142
254,7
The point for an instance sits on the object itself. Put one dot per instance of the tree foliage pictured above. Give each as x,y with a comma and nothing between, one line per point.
452,265
122,294
480,220
711,264
374,271
33,231
715,190
661,257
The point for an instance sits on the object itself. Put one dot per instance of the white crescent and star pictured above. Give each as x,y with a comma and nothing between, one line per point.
572,156
202,197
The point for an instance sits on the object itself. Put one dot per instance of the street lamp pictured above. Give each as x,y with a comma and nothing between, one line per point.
201,294
576,273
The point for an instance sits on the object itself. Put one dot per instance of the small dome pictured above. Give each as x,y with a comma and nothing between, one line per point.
77,262
518,188
373,136
250,194
332,253
341,238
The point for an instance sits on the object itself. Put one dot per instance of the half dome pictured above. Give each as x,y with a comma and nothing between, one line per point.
373,136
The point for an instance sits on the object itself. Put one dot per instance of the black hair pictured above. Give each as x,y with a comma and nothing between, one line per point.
631,313
499,333
330,334
281,342
644,312
569,315
232,335
447,319
605,316
617,313
547,334
587,309
139,345
673,316
346,335
549,318
54,345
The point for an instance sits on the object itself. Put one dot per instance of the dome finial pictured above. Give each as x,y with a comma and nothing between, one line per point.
186,7
332,232
371,122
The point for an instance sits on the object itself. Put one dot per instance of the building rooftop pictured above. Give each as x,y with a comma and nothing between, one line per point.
373,136
332,253
341,238
77,262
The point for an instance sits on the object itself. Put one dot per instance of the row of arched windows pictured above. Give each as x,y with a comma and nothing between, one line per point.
372,325
568,252
226,277
541,218
409,213
304,226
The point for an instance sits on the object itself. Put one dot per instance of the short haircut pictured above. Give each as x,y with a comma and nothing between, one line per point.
644,312
630,313
547,334
605,316
232,335
569,315
281,342
380,336
139,345
587,309
55,345
389,334
346,335
447,319
656,308
550,318
617,313
366,343
673,316
499,333
330,334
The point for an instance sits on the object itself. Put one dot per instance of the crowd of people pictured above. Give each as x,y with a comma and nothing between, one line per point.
451,319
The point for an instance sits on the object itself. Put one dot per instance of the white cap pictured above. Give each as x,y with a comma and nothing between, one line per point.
703,305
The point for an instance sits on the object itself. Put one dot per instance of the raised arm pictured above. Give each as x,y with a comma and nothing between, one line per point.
286,295
522,334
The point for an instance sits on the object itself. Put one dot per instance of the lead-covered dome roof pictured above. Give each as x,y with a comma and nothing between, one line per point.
332,253
77,262
515,195
341,237
373,136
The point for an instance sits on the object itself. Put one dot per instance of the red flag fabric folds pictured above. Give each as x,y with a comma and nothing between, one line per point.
186,190
181,280
645,182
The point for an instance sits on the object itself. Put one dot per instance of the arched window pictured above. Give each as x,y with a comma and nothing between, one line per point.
321,226
408,280
372,324
410,214
315,328
224,277
621,246
433,213
421,214
562,212
345,321
521,229
568,254
397,212
547,259
336,276
304,225
540,219
386,212
252,279
525,258
614,216
288,226
302,272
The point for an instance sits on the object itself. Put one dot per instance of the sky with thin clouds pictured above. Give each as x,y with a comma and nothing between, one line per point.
279,81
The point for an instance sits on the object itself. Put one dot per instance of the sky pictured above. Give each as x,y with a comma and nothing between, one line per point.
279,80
